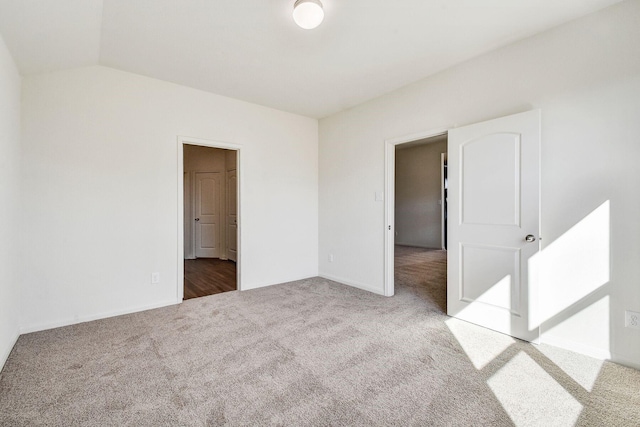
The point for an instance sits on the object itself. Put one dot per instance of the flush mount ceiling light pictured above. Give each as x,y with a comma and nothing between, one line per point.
308,14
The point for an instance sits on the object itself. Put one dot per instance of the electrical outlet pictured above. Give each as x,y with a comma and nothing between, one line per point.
330,257
632,319
155,278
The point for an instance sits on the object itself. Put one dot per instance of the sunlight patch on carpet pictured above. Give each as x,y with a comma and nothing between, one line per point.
481,345
582,369
531,396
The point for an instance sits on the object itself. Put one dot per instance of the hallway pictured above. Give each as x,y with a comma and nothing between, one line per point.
422,272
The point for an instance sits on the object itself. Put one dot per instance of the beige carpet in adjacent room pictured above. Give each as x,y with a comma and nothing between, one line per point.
311,352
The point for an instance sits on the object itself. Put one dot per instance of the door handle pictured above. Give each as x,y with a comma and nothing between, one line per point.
530,238
197,219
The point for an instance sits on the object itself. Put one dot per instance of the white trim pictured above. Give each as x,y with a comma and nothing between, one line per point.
626,362
213,144
389,218
586,350
353,284
105,315
258,285
389,191
6,352
418,136
443,201
208,143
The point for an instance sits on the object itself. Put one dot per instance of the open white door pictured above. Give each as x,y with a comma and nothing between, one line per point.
494,211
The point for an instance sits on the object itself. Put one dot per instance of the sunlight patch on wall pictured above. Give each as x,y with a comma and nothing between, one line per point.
481,345
531,397
587,331
582,369
573,266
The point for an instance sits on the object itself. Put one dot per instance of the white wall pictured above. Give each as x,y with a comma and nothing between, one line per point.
585,76
418,213
10,221
101,199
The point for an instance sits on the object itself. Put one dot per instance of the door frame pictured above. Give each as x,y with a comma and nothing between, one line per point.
182,140
443,199
390,200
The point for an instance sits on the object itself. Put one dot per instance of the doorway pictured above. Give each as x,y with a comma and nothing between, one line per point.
420,208
209,218
493,203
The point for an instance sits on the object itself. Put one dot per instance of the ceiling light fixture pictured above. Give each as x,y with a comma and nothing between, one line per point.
308,14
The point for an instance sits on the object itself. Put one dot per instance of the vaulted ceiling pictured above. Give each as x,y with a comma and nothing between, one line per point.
252,50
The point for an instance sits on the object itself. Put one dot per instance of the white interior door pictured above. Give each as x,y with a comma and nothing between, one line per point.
232,215
207,215
494,209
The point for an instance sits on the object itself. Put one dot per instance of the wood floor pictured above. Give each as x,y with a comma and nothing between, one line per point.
208,276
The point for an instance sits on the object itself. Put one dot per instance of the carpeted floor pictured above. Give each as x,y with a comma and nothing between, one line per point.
311,352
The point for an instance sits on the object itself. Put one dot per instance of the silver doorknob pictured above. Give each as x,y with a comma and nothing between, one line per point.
530,238
198,219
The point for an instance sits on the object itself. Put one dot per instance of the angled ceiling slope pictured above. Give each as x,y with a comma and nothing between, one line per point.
252,50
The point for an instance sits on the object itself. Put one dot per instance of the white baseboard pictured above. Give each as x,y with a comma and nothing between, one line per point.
58,324
248,287
624,361
4,354
353,284
596,353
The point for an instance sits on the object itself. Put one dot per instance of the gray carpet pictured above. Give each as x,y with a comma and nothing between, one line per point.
311,352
